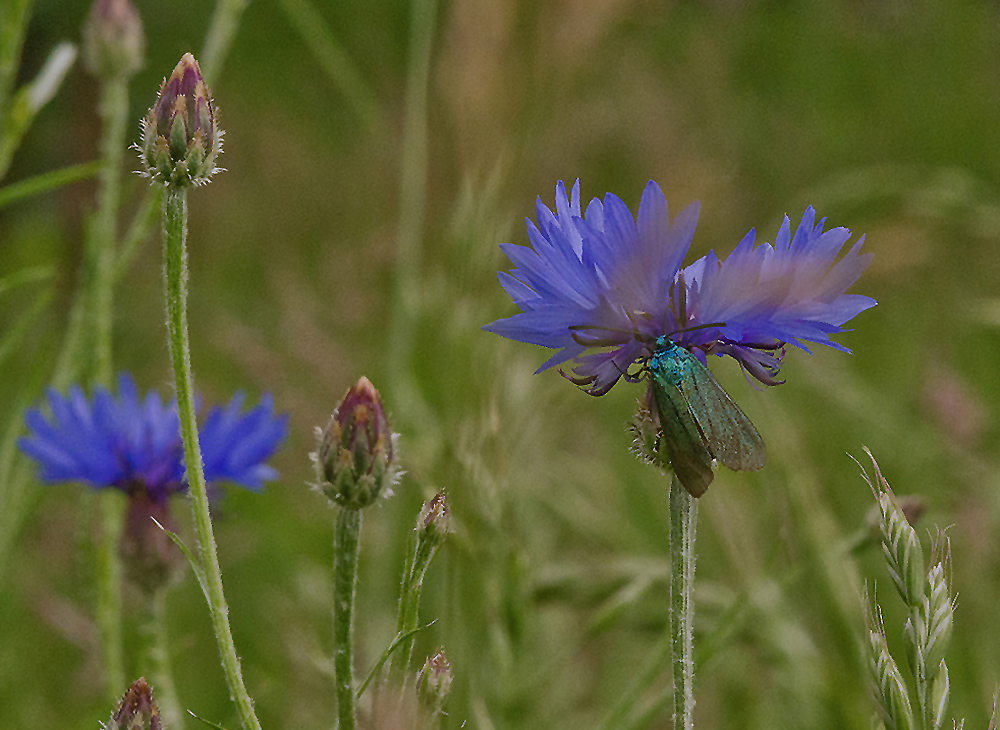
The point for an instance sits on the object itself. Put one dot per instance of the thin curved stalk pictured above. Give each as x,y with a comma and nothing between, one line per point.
175,256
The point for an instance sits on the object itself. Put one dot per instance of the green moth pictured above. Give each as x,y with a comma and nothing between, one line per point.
698,420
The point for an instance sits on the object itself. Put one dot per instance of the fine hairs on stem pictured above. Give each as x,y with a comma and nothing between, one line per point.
683,525
175,255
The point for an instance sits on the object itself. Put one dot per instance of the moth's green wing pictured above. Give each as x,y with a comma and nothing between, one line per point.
682,438
729,434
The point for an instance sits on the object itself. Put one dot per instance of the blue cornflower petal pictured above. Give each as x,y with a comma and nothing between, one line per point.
601,287
790,293
129,443
235,447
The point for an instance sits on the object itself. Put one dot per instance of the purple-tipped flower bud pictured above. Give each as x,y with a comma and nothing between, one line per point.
434,681
434,521
136,710
113,43
355,458
181,137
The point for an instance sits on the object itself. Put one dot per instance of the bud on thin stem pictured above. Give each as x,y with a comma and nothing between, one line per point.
433,525
181,138
433,685
355,457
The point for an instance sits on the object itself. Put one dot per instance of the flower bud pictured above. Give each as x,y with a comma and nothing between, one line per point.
136,710
180,136
113,43
355,458
434,521
645,427
434,681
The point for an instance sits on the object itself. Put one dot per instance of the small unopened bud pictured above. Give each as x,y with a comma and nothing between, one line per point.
434,521
434,681
181,138
136,710
355,458
113,42
645,427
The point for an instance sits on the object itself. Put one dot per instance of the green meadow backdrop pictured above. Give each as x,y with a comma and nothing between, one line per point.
376,154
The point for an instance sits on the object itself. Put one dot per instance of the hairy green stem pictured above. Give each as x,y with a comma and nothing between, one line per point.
346,546
409,596
109,590
104,228
175,256
102,250
157,659
683,522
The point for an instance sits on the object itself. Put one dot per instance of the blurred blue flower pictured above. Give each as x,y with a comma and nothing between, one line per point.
600,287
135,444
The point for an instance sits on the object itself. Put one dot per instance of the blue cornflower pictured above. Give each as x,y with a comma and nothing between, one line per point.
600,287
134,444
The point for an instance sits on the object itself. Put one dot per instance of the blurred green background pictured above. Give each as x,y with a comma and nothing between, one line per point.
355,232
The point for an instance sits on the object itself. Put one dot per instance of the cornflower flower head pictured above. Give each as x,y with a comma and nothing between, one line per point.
604,279
608,292
133,443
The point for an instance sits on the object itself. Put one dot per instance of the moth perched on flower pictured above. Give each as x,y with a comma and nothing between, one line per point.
608,292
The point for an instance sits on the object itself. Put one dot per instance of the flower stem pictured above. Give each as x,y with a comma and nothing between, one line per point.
683,521
175,256
102,251
409,597
109,590
104,228
346,544
157,658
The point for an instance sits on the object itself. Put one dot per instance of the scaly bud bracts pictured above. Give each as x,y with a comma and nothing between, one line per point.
136,710
181,138
434,681
355,458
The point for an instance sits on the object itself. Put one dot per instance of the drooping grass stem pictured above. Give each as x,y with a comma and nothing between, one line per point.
175,257
683,523
346,545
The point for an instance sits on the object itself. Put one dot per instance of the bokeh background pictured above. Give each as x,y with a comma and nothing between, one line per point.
355,232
